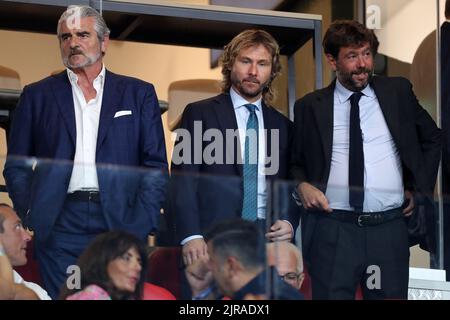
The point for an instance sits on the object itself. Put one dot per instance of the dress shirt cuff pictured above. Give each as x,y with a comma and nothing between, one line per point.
296,197
186,240
204,294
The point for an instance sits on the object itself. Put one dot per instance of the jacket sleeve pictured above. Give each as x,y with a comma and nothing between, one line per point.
297,172
152,191
430,140
18,167
185,177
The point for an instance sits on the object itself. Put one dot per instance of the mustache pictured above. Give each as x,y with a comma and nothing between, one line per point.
361,71
76,51
251,79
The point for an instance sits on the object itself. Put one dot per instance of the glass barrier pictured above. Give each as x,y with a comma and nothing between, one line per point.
408,49
65,220
200,212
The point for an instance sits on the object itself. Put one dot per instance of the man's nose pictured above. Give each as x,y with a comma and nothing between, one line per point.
361,61
26,235
74,42
253,69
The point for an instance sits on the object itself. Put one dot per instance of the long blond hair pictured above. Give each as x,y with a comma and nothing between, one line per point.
246,39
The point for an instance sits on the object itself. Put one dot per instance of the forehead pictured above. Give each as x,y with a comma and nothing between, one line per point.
356,48
258,49
75,23
133,251
9,215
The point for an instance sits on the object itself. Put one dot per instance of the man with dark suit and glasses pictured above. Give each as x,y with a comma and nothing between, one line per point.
363,150
80,118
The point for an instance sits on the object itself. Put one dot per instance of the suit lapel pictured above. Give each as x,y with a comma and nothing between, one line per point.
323,112
111,98
389,105
226,118
64,100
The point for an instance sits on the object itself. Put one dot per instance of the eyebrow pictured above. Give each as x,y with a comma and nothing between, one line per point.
78,33
260,60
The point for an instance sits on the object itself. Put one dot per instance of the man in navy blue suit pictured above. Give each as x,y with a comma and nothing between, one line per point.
81,119
230,175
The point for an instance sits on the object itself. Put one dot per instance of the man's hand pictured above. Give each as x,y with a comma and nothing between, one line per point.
409,197
199,276
279,231
313,198
193,250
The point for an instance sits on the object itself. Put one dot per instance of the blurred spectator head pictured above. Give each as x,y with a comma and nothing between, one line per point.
116,261
287,260
13,236
237,254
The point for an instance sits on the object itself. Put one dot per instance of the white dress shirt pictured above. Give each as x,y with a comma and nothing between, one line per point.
87,118
41,293
383,180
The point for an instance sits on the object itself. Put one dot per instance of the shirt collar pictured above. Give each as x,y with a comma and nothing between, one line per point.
239,102
344,94
74,78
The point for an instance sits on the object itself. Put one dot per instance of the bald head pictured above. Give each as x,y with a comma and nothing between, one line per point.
288,261
283,252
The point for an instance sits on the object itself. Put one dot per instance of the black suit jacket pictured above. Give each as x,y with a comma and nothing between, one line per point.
203,194
415,134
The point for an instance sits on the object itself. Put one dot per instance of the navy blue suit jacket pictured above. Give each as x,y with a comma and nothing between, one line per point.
44,127
203,194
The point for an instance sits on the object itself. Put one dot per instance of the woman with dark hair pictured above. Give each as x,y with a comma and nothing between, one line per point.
112,267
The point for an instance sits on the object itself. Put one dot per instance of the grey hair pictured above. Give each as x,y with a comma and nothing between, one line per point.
85,11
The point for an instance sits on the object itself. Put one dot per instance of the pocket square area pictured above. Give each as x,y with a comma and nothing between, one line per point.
122,113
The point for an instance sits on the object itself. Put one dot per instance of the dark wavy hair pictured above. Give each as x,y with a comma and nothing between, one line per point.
94,261
246,39
348,33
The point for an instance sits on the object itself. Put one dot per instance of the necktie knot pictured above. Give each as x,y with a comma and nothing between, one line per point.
251,107
354,98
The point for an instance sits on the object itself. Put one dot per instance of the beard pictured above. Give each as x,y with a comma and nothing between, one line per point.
89,59
245,91
347,80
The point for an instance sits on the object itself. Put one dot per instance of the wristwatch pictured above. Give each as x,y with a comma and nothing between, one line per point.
2,251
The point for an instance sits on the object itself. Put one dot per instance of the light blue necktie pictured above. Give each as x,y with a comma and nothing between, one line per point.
250,166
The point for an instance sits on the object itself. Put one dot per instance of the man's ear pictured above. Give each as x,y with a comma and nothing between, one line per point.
105,44
331,61
234,266
301,279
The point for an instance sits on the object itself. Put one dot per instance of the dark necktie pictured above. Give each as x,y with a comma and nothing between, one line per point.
356,157
250,166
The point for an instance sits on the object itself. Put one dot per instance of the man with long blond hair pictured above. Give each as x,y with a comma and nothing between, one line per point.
251,147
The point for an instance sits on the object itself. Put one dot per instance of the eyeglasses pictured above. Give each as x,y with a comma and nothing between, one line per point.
290,276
